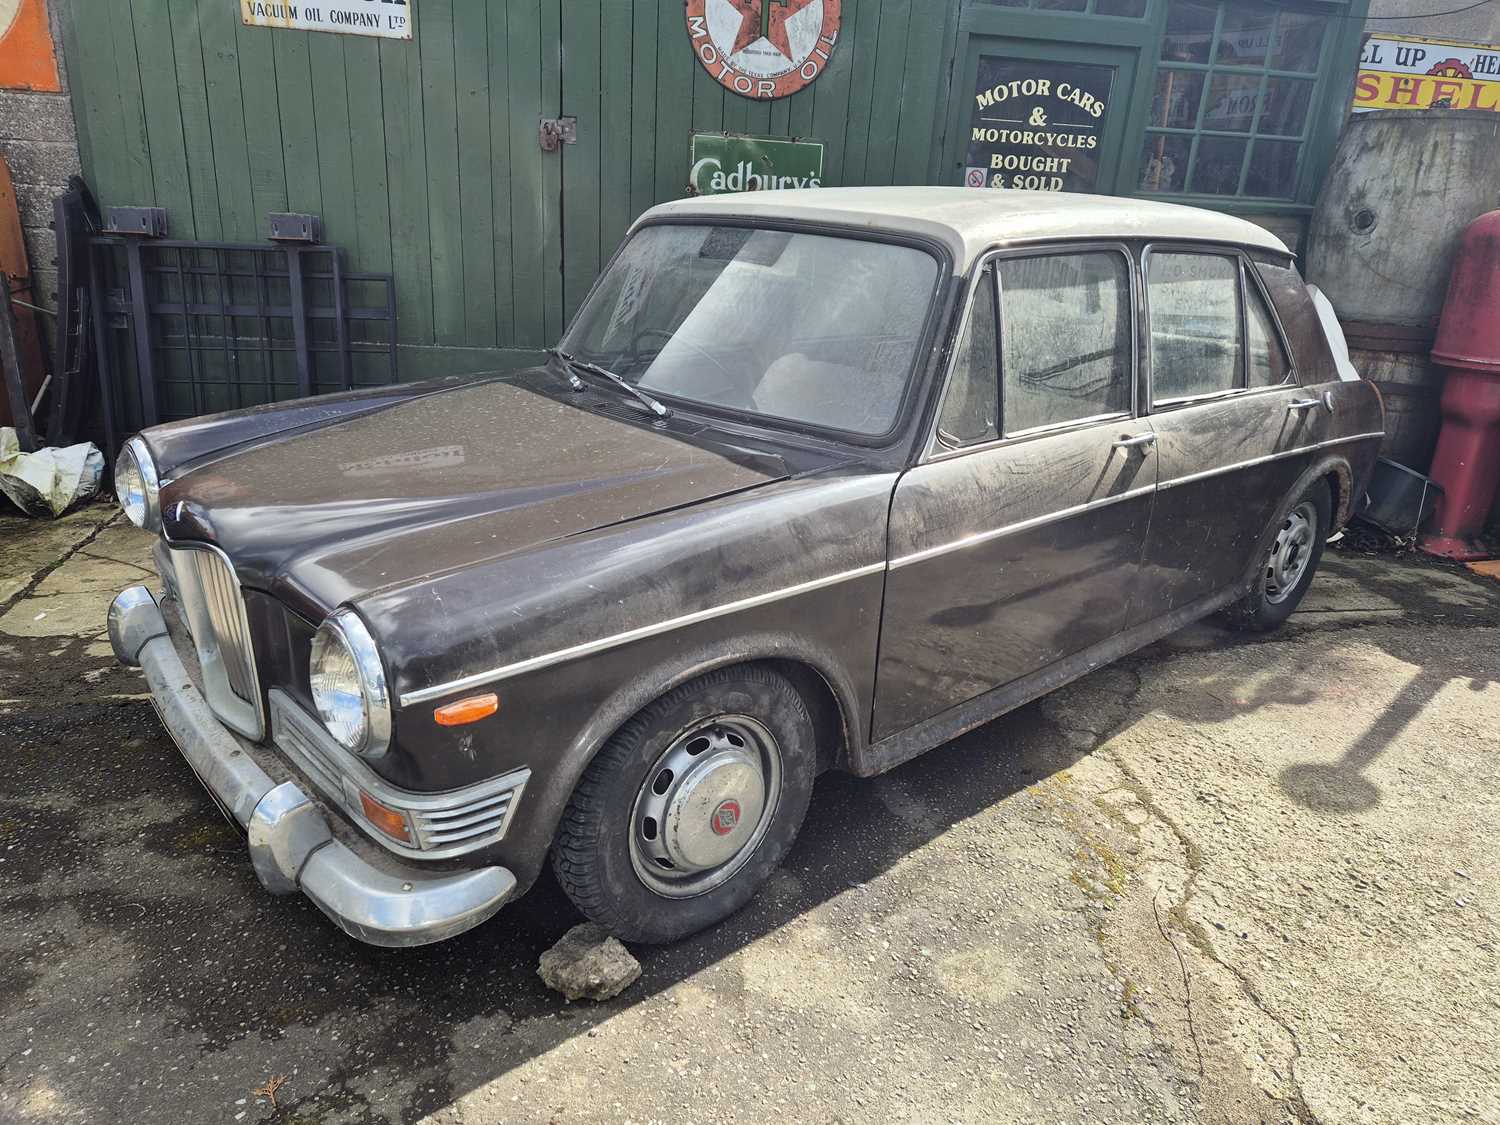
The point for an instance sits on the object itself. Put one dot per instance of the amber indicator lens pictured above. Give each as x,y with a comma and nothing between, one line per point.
469,710
388,820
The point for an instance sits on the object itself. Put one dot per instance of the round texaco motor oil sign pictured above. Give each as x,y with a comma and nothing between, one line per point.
763,48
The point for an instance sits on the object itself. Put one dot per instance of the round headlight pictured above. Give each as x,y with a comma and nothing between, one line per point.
348,685
136,484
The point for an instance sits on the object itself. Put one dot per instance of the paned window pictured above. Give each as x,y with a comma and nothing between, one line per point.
1232,105
1133,8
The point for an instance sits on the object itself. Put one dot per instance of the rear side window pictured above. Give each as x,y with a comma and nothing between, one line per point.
1066,339
1195,324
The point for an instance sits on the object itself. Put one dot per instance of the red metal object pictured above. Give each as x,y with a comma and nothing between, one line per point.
1467,461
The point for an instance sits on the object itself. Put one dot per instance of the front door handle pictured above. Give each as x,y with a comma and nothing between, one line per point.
1140,441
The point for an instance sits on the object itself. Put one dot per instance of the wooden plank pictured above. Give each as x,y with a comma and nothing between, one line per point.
406,175
85,108
139,180
500,172
551,91
781,116
330,118
890,71
676,66
161,119
708,104
582,162
528,209
800,111
297,111
439,117
643,71
861,92
370,243
197,133
471,73
925,61
615,112
831,103
262,120
218,29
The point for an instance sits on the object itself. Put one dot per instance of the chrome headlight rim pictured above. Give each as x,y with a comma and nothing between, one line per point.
347,629
135,455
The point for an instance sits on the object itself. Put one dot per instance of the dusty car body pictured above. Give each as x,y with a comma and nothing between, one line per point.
627,634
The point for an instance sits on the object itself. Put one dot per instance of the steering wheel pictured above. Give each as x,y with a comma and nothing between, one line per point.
666,335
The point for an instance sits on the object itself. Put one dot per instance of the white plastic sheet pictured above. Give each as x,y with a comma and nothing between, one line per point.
49,481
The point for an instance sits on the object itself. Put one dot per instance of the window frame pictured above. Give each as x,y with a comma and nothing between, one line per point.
938,448
1246,275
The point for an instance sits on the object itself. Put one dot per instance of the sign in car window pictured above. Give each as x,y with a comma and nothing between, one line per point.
1037,124
723,163
1405,72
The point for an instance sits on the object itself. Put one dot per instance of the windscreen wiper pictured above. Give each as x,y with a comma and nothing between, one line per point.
654,405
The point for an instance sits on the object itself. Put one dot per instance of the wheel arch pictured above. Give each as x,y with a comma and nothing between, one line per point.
819,677
1331,468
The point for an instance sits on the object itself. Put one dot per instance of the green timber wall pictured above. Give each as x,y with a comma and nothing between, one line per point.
422,156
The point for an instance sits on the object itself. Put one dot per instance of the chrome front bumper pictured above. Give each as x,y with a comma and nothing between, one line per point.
292,845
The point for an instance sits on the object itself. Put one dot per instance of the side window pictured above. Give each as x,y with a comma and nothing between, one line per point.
1066,341
1269,365
1195,324
970,410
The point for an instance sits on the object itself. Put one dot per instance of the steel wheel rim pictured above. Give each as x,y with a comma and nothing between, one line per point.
1291,552
705,805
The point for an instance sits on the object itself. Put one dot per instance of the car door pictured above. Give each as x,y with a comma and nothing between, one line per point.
1018,540
1234,429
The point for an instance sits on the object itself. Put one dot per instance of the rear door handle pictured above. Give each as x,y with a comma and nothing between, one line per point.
1309,403
1140,441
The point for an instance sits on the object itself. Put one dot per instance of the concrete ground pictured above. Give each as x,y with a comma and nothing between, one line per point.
1226,880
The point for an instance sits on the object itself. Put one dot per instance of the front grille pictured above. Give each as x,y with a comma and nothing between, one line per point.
442,824
206,585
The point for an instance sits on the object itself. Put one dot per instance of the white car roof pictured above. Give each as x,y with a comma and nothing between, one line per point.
972,220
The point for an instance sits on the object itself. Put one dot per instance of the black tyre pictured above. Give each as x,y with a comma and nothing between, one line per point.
1289,565
688,809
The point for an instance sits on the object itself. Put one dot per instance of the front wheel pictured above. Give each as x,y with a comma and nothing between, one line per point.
688,809
1289,565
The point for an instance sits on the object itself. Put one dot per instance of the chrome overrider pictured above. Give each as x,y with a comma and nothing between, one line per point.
292,846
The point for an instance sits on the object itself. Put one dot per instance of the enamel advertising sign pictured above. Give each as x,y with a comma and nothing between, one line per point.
763,49
388,19
1404,72
1037,126
724,163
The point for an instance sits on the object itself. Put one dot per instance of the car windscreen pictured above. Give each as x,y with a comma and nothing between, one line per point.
807,328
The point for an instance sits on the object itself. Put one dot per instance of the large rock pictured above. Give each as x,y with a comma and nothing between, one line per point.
587,963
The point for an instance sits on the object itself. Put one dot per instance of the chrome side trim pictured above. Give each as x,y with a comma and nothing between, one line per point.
1051,517
588,648
1250,464
979,537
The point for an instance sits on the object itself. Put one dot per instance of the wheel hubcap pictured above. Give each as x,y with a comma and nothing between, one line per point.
1290,553
704,806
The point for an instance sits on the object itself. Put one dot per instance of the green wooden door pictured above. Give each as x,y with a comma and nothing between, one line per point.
1040,115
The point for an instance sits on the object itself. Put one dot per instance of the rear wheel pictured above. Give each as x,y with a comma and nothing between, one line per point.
688,809
1289,565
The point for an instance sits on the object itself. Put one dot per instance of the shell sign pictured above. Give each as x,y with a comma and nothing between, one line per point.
27,59
763,49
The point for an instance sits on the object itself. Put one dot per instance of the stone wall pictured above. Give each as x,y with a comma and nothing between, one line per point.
1408,17
41,146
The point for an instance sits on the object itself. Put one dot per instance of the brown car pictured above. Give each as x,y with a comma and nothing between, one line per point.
815,480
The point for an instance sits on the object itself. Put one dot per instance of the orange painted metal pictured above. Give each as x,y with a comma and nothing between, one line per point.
28,58
13,263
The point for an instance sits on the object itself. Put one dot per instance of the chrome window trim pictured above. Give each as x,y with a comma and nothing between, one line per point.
1038,521
350,770
615,640
1252,275
257,731
936,448
1219,396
